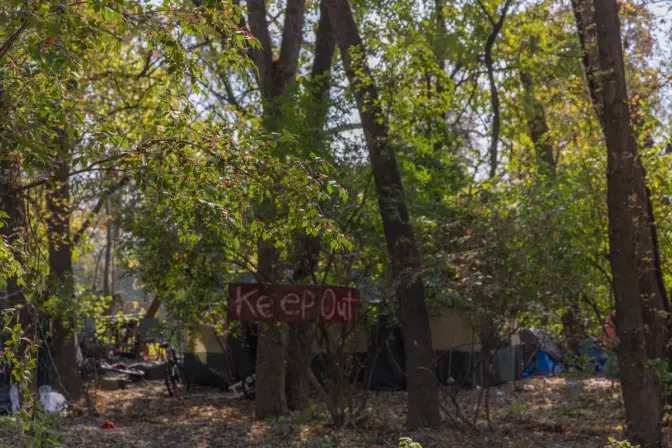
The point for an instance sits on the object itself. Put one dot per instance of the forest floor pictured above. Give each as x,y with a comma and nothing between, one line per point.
551,412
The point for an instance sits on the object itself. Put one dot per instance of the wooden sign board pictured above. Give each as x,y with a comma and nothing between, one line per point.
290,303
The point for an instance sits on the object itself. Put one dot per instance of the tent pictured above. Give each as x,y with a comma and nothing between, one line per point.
219,360
541,354
377,349
385,360
377,352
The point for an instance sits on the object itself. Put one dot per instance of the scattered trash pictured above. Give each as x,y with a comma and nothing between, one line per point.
52,402
81,426
122,368
500,393
107,424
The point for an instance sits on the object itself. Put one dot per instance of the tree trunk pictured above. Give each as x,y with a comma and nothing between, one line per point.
153,308
274,78
584,15
423,406
107,291
66,374
494,95
640,297
300,350
270,399
307,253
538,128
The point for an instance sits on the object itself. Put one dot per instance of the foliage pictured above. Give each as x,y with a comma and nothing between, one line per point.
155,108
407,442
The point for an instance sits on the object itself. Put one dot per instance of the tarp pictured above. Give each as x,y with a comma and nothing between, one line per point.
596,357
534,340
610,326
386,357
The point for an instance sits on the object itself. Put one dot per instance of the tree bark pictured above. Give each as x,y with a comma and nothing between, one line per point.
494,95
538,128
423,406
66,374
270,398
274,79
640,296
584,15
108,254
153,308
307,252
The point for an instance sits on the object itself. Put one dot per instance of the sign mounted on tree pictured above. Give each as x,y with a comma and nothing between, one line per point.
290,303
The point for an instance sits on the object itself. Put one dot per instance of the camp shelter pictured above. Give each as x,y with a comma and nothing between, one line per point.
380,350
541,354
377,351
219,359
376,347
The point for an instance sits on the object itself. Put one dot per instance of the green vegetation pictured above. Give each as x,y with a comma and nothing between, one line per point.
508,159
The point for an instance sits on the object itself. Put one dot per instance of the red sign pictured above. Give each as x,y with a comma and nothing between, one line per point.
293,303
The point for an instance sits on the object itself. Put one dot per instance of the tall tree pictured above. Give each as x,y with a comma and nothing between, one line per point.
307,247
276,74
423,406
59,209
641,300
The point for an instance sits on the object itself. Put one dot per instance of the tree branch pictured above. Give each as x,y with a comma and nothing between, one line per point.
9,43
263,58
46,180
292,38
96,209
494,95
487,14
344,128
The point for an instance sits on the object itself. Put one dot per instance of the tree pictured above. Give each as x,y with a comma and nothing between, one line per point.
307,247
641,301
61,284
276,75
423,408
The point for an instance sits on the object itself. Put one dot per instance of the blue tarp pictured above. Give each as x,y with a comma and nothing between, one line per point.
595,356
542,365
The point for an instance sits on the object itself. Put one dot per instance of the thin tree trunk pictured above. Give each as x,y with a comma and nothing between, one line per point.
66,375
153,308
108,254
270,398
494,94
423,405
640,297
538,128
584,15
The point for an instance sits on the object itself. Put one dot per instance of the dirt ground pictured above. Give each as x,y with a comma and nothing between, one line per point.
551,412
